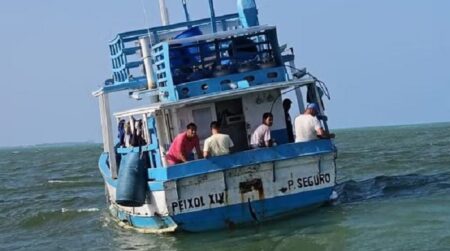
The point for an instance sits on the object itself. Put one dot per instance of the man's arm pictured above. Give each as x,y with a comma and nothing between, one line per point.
198,150
267,138
205,148
182,157
230,142
322,134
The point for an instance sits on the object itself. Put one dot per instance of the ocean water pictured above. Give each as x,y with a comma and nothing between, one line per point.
394,186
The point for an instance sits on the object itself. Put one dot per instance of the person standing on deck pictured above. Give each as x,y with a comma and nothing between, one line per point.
308,127
182,146
261,136
287,106
218,143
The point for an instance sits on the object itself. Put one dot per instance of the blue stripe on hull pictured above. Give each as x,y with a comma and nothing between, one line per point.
228,216
218,218
150,223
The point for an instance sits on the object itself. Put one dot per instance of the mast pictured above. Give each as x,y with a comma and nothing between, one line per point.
164,12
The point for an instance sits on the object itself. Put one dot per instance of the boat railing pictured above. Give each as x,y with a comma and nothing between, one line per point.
237,160
158,175
125,50
206,64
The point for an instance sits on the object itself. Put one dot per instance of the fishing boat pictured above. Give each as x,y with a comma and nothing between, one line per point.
229,69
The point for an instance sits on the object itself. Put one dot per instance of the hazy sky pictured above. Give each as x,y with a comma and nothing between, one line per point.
385,62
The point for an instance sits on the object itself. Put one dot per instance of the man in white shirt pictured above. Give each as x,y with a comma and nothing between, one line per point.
217,144
261,136
308,127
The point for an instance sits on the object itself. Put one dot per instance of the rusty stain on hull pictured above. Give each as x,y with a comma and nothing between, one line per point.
252,185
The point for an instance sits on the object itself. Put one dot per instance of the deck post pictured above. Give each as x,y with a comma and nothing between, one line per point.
298,92
321,108
108,142
163,137
299,95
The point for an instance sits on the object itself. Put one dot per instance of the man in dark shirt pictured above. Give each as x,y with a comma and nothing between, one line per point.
286,106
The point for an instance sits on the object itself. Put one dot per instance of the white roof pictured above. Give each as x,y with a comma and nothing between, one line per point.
213,97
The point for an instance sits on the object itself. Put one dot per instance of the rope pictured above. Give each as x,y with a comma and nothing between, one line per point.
322,85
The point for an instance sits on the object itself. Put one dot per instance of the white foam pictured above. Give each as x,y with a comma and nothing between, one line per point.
62,181
93,209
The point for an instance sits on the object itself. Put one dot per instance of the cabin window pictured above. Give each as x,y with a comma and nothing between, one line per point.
272,74
185,92
132,131
250,78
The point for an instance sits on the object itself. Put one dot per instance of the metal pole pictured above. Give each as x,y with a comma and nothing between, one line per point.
186,12
164,13
213,16
144,42
108,142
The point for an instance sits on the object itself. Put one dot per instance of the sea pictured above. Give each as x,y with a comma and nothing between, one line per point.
394,188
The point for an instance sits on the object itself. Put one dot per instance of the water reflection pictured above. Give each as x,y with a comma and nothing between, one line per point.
308,231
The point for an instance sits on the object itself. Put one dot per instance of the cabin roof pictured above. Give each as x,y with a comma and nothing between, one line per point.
215,97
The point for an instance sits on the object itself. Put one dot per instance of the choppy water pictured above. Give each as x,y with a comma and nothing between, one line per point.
394,186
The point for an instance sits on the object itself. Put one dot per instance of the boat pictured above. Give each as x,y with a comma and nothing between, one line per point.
226,68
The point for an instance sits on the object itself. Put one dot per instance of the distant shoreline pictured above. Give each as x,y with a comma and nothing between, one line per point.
69,144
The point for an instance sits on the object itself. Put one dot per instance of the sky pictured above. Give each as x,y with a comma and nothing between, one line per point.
385,62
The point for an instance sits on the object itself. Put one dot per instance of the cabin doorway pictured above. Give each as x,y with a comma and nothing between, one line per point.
201,115
230,115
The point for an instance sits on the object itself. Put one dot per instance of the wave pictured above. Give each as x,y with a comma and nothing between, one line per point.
393,186
82,210
73,183
64,181
55,216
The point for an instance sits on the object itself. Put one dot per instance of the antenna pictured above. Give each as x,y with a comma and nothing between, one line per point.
186,12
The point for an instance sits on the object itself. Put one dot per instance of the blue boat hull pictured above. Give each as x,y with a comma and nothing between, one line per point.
252,212
225,217
221,197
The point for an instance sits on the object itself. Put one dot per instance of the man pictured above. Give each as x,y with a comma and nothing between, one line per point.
182,146
308,127
261,136
287,106
217,144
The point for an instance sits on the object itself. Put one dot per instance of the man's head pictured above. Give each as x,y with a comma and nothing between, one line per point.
267,119
191,130
287,104
215,127
312,108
